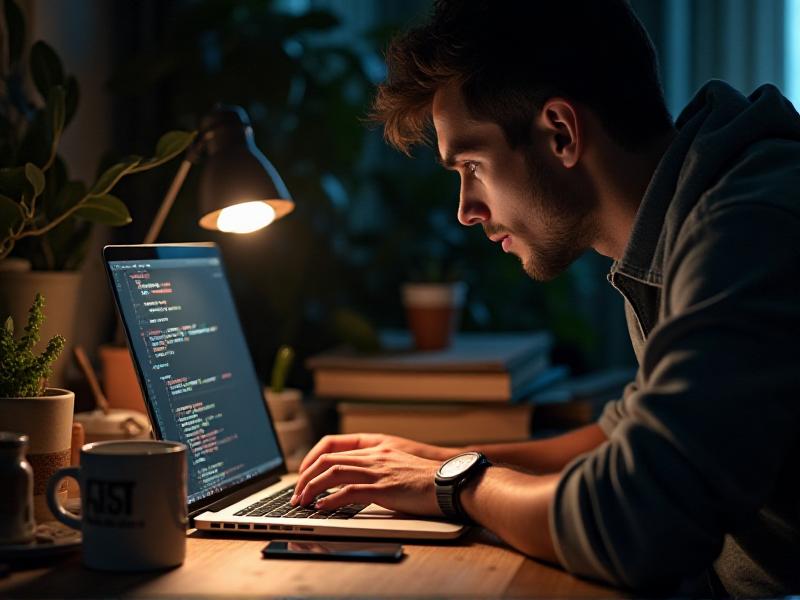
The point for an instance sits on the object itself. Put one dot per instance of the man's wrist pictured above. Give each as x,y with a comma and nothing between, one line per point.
453,474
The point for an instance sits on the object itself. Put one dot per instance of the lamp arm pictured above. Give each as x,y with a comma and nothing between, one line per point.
193,155
167,202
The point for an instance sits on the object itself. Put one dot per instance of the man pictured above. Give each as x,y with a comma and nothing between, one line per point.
553,116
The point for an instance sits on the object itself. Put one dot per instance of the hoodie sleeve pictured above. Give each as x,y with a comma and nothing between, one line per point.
613,411
697,448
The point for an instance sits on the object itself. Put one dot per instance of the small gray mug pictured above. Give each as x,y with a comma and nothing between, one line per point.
133,504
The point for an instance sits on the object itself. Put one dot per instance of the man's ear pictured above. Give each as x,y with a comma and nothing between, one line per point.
558,119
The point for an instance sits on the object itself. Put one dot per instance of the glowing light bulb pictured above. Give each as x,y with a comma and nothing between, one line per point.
245,217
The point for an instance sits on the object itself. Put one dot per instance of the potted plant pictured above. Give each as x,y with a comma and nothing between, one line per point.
45,215
29,406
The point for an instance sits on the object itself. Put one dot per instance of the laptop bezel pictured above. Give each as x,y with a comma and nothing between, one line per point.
187,250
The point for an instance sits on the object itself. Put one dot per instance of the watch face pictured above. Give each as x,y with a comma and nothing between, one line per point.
458,464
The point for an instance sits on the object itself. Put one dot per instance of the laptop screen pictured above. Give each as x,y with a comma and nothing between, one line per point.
192,356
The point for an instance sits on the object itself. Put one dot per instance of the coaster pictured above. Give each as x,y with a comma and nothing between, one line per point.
52,539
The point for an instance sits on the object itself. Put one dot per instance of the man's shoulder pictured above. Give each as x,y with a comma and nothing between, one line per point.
767,174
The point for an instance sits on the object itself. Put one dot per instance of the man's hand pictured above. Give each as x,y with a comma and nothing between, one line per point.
359,441
381,474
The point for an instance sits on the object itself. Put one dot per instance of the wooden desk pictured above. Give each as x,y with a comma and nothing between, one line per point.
478,565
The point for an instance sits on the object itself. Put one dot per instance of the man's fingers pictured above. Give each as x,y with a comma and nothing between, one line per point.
330,443
322,464
354,493
335,476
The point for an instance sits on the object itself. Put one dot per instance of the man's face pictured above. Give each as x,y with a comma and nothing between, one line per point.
524,198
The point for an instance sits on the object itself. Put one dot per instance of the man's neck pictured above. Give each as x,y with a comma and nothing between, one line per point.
624,176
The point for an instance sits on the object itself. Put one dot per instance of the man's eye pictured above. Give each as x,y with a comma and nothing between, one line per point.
472,167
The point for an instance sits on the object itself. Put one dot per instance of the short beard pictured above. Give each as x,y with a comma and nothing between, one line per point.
565,217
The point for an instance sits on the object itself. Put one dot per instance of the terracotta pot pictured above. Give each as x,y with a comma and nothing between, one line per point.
120,383
60,290
47,421
433,311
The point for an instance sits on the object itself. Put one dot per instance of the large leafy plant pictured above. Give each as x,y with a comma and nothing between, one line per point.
23,373
38,200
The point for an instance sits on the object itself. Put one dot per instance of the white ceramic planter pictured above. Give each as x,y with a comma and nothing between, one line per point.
47,421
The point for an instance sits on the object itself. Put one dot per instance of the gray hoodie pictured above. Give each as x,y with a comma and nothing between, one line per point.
702,464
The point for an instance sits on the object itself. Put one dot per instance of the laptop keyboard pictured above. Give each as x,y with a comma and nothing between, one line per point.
278,505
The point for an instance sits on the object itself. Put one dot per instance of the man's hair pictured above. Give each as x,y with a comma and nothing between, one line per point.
511,56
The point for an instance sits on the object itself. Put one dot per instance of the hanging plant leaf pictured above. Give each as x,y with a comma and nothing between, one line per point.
168,147
36,177
56,112
105,209
172,143
46,68
113,174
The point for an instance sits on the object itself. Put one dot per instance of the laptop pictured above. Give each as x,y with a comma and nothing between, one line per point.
201,389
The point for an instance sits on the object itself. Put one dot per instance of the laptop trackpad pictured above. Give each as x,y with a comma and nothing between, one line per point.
373,511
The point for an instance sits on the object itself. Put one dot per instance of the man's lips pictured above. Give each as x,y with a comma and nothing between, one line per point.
504,239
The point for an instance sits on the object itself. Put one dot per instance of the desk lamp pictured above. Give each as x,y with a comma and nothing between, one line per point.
240,190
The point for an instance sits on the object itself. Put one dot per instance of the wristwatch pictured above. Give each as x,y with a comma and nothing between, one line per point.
451,478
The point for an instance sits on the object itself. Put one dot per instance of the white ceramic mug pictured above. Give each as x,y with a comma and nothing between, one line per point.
133,504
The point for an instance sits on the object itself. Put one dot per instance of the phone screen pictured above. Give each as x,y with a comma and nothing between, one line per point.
333,550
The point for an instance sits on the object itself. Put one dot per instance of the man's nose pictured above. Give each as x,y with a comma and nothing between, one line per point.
472,210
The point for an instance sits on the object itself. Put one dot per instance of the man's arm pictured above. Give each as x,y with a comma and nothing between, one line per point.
513,504
540,456
516,507
544,456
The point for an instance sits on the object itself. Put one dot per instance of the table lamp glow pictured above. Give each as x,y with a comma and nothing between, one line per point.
240,190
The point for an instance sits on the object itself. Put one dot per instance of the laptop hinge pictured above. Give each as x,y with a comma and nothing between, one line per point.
234,497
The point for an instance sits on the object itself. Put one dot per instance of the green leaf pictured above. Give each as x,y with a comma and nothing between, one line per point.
113,174
173,143
46,68
15,28
10,215
169,146
56,111
105,209
36,177
71,99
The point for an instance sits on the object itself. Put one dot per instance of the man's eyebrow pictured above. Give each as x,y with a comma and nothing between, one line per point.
459,146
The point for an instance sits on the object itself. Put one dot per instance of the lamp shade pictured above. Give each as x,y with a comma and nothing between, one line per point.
240,190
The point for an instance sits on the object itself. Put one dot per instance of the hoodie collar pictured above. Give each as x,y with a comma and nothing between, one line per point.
714,128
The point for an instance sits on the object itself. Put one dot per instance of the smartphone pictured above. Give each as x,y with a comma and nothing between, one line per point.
322,550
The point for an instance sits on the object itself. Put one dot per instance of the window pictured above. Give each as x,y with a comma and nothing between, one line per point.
792,56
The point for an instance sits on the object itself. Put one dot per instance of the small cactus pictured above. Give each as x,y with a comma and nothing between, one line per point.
23,373
283,362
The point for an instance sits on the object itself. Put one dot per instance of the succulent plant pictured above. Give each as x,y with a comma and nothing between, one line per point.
23,373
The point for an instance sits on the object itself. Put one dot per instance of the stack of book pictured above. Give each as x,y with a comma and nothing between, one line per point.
472,392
